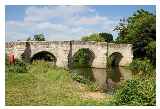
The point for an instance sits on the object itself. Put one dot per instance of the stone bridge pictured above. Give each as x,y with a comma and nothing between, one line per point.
64,51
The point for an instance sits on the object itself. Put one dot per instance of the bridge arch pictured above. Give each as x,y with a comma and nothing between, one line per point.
44,55
115,58
82,57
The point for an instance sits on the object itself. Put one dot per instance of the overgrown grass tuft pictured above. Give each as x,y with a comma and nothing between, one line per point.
18,67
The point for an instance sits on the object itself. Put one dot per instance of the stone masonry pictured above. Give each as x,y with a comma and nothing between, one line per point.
64,50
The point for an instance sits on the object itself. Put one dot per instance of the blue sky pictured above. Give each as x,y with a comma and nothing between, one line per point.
65,22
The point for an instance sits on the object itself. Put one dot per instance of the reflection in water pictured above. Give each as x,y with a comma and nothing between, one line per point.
106,79
114,74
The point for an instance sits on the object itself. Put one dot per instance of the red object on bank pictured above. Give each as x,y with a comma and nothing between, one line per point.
11,58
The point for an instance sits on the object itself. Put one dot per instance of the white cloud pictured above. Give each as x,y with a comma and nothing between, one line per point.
91,20
59,23
44,13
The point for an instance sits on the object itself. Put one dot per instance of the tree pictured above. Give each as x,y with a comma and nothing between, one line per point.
39,37
139,30
98,37
122,29
92,37
29,39
107,37
140,26
151,51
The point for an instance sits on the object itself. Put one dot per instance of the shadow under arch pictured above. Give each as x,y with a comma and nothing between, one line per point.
83,58
45,56
115,58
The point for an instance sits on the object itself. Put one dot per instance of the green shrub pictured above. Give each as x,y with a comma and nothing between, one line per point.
136,92
19,67
141,66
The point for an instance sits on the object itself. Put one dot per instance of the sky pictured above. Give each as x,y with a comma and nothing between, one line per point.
58,22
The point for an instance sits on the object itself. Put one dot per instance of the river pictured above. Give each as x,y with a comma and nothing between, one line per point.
106,79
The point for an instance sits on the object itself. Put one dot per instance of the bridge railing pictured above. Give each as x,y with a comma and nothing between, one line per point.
75,42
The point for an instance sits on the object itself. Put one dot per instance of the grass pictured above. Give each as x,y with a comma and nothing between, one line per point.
44,84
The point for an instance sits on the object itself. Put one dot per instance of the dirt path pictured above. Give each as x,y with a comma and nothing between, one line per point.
95,95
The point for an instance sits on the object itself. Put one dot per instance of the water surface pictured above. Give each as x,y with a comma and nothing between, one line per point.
107,79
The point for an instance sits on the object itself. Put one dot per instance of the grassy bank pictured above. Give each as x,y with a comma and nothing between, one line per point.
44,85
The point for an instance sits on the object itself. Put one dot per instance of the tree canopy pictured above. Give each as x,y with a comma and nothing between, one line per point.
39,37
139,30
98,37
